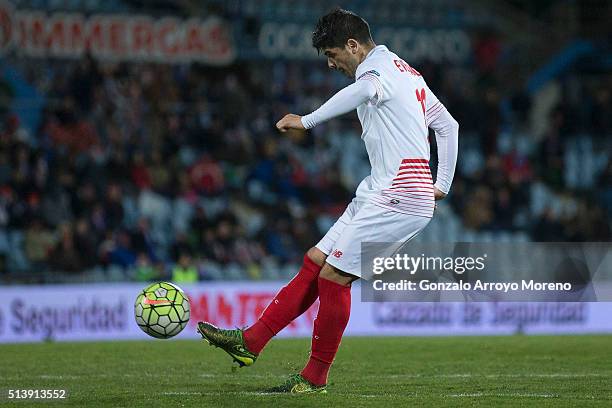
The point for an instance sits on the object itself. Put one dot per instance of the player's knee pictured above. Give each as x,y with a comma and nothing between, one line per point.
335,275
316,255
329,272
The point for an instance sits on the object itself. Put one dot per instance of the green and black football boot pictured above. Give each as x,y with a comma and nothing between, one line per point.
230,341
296,384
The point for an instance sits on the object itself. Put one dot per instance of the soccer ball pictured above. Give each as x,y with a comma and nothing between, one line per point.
162,310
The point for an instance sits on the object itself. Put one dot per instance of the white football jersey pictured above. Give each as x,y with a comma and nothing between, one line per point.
395,131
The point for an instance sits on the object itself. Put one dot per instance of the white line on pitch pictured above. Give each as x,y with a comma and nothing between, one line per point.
500,375
510,394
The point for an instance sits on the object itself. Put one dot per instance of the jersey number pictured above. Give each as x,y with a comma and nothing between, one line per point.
420,95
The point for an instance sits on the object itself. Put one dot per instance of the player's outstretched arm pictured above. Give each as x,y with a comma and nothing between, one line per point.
447,139
345,100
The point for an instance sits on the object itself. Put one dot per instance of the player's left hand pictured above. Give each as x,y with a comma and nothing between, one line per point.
290,121
438,195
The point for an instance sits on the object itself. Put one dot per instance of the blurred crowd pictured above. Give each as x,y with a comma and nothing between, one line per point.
155,170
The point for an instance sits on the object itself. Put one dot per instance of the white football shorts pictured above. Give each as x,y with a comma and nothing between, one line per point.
367,222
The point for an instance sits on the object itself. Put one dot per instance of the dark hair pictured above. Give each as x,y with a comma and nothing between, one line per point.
336,27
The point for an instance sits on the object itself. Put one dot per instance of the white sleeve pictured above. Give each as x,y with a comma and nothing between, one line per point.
344,101
447,139
432,105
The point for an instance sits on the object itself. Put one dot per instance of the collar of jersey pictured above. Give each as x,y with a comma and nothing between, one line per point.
373,50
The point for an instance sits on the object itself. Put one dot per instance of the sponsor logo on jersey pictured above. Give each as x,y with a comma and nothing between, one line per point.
394,201
337,253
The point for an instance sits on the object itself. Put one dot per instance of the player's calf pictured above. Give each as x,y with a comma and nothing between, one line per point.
289,303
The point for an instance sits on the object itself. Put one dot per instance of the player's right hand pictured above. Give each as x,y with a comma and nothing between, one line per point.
290,121
438,195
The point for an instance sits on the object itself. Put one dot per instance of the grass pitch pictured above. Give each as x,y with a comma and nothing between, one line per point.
369,372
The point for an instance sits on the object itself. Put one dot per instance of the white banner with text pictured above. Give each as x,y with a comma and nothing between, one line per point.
105,312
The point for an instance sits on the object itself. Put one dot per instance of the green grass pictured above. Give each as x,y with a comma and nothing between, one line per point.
369,372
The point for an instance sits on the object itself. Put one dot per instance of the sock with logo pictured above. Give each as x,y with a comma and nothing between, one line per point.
333,316
288,304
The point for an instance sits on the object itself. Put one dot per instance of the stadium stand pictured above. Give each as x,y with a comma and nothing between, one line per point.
141,170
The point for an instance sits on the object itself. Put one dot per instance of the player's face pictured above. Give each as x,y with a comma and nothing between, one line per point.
344,60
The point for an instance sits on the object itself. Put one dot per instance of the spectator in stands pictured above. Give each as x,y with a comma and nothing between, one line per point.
65,256
184,271
39,242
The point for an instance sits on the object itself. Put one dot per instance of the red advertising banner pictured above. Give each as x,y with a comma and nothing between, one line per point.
115,37
241,308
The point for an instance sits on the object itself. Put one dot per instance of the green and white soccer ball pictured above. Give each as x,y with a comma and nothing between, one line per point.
162,310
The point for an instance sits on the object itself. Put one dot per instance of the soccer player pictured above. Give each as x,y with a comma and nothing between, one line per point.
394,203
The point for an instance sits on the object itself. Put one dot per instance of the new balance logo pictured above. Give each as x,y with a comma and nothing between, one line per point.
337,253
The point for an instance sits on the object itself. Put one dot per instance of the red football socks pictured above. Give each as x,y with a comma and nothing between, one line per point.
288,304
333,316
